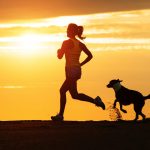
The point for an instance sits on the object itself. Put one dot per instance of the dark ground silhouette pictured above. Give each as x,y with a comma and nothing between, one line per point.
74,135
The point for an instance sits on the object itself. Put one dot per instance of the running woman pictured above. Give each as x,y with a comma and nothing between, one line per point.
72,49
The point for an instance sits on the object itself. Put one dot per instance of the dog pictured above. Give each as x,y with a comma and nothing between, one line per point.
126,97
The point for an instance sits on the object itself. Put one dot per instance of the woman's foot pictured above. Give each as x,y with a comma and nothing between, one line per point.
57,118
98,102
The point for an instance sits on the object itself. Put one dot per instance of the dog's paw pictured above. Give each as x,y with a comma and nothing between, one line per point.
124,111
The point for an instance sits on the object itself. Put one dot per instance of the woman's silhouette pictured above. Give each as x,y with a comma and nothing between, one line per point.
72,49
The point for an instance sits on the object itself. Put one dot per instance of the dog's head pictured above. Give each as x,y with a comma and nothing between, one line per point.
113,82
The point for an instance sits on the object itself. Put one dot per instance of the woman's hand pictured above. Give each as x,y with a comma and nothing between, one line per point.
59,53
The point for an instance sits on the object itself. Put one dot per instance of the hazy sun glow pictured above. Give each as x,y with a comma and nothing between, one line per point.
29,43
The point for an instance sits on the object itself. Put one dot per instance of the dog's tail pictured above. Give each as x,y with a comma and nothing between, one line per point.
147,97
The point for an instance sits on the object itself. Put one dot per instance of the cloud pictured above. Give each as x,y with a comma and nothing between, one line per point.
29,9
104,31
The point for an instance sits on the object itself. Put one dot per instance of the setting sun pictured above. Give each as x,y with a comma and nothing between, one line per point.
29,43
32,43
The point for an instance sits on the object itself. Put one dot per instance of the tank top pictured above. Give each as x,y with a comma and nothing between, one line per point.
73,54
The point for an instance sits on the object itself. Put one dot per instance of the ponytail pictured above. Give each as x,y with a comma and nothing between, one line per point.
80,31
76,30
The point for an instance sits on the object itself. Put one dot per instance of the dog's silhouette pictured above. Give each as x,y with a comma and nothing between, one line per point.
126,97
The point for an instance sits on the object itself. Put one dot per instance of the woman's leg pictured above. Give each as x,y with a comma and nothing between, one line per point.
80,96
64,88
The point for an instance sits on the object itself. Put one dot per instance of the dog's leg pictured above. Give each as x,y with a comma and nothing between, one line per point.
143,116
141,106
115,102
136,117
122,109
138,109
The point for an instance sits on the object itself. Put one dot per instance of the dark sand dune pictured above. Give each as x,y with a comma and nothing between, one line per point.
74,135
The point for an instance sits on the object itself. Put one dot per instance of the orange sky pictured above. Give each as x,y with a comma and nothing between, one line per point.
29,9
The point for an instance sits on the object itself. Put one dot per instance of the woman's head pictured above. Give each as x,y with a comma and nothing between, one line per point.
75,30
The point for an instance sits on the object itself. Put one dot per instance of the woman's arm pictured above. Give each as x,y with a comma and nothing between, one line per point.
61,51
87,52
65,46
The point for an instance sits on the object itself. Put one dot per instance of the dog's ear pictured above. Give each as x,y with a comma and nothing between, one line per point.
119,80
